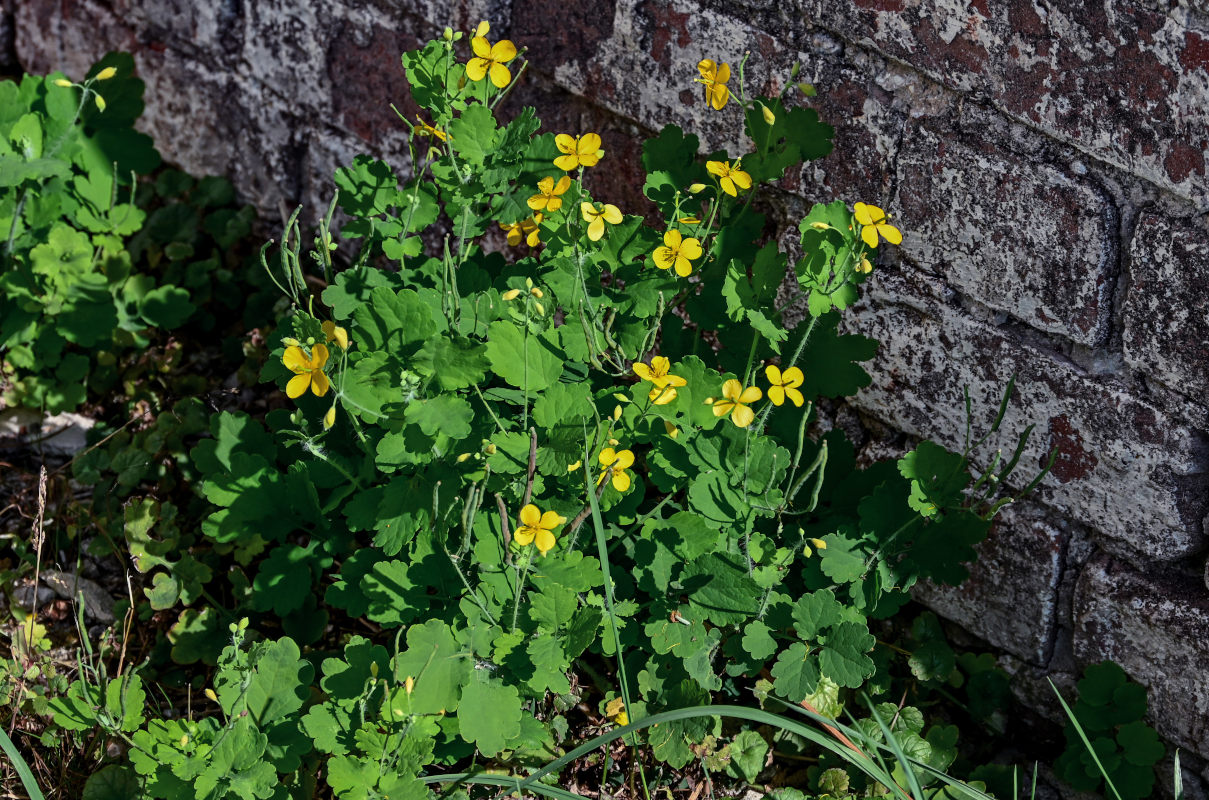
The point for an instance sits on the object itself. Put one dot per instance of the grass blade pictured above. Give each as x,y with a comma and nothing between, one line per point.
23,771
1083,736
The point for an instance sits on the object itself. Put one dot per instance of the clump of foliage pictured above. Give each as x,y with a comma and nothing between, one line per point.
96,266
1108,744
521,499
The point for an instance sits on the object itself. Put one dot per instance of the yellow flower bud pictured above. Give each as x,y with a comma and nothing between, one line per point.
483,28
528,283
864,267
409,685
536,292
574,466
463,457
541,310
696,187
290,341
211,695
100,101
616,413
447,34
769,117
185,740
62,84
107,73
614,442
243,623
820,226
511,294
806,551
490,449
621,398
373,669
819,544
329,419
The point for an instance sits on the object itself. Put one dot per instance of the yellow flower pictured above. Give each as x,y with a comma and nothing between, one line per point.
538,526
580,151
490,59
308,371
597,217
333,332
784,384
677,252
714,76
525,229
547,197
107,73
572,467
615,710
659,373
431,131
483,28
730,176
873,222
615,464
735,402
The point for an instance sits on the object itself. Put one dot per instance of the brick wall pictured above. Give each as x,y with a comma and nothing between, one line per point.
1045,160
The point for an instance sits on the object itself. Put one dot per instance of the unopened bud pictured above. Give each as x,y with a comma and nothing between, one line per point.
373,669
864,266
185,740
820,226
447,34
243,624
107,73
614,442
819,544
572,467
621,398
329,419
290,341
511,294
460,459
616,413
536,292
100,101
211,695
696,187
410,684
62,83
541,310
806,89
490,449
769,117
795,70
528,283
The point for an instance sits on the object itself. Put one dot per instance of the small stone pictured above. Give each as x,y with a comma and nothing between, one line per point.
97,603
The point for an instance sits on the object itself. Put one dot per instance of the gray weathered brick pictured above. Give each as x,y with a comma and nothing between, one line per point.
969,212
1011,596
1166,332
1125,467
1157,629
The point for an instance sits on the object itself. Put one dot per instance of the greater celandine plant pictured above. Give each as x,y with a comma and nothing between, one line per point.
584,471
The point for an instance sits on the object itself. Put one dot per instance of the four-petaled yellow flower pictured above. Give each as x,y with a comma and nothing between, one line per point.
308,371
489,59
597,217
677,252
615,710
736,402
714,76
873,222
730,176
659,373
525,229
536,526
615,463
580,151
548,194
431,131
334,333
784,384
